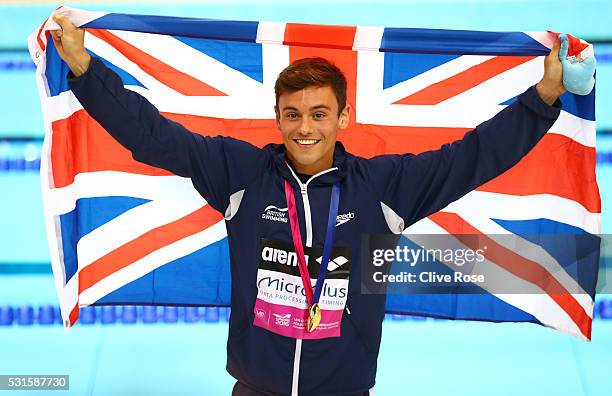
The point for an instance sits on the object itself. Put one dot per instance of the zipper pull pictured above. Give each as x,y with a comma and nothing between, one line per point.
348,311
303,189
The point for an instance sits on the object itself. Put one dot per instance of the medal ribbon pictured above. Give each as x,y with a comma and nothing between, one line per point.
311,297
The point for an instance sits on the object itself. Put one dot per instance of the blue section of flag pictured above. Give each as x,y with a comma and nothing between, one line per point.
242,56
200,278
509,101
438,41
574,249
539,226
578,105
55,71
127,78
456,301
69,228
176,26
582,106
403,66
89,214
485,307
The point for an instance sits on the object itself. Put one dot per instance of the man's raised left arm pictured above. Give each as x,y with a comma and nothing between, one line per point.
415,186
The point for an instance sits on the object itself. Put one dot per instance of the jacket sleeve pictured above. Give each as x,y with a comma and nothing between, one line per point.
218,166
415,186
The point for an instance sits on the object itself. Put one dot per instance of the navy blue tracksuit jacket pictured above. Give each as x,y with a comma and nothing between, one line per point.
384,194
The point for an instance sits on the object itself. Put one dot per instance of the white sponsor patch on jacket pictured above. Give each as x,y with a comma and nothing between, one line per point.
274,213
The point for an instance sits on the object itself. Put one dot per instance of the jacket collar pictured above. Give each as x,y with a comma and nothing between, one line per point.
279,155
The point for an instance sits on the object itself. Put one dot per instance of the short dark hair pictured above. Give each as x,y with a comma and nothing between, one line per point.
309,72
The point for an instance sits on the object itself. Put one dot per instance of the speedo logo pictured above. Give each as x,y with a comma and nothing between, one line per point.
343,218
280,256
274,213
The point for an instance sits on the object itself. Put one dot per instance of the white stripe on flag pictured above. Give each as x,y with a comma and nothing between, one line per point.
433,76
106,51
190,61
368,38
534,301
375,106
534,253
152,261
76,16
525,207
271,32
127,227
111,183
500,87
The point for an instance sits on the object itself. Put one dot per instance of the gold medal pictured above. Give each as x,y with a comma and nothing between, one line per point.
314,317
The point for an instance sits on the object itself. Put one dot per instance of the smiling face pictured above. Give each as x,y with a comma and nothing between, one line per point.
309,122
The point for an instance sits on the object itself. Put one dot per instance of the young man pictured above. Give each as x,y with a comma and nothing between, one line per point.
281,204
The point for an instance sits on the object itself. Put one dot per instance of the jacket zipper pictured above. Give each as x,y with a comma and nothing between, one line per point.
308,219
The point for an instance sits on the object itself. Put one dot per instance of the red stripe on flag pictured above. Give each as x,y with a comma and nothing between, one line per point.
461,82
74,315
517,265
41,44
80,144
255,131
320,36
368,140
575,46
175,79
549,168
552,167
146,244
347,62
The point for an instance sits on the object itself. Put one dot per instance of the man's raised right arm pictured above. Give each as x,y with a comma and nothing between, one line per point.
215,164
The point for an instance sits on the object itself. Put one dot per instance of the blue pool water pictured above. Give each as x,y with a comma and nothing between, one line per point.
418,357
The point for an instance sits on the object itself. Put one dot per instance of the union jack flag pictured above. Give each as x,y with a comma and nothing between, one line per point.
121,232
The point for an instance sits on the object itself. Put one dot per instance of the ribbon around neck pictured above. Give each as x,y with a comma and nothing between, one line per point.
312,296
